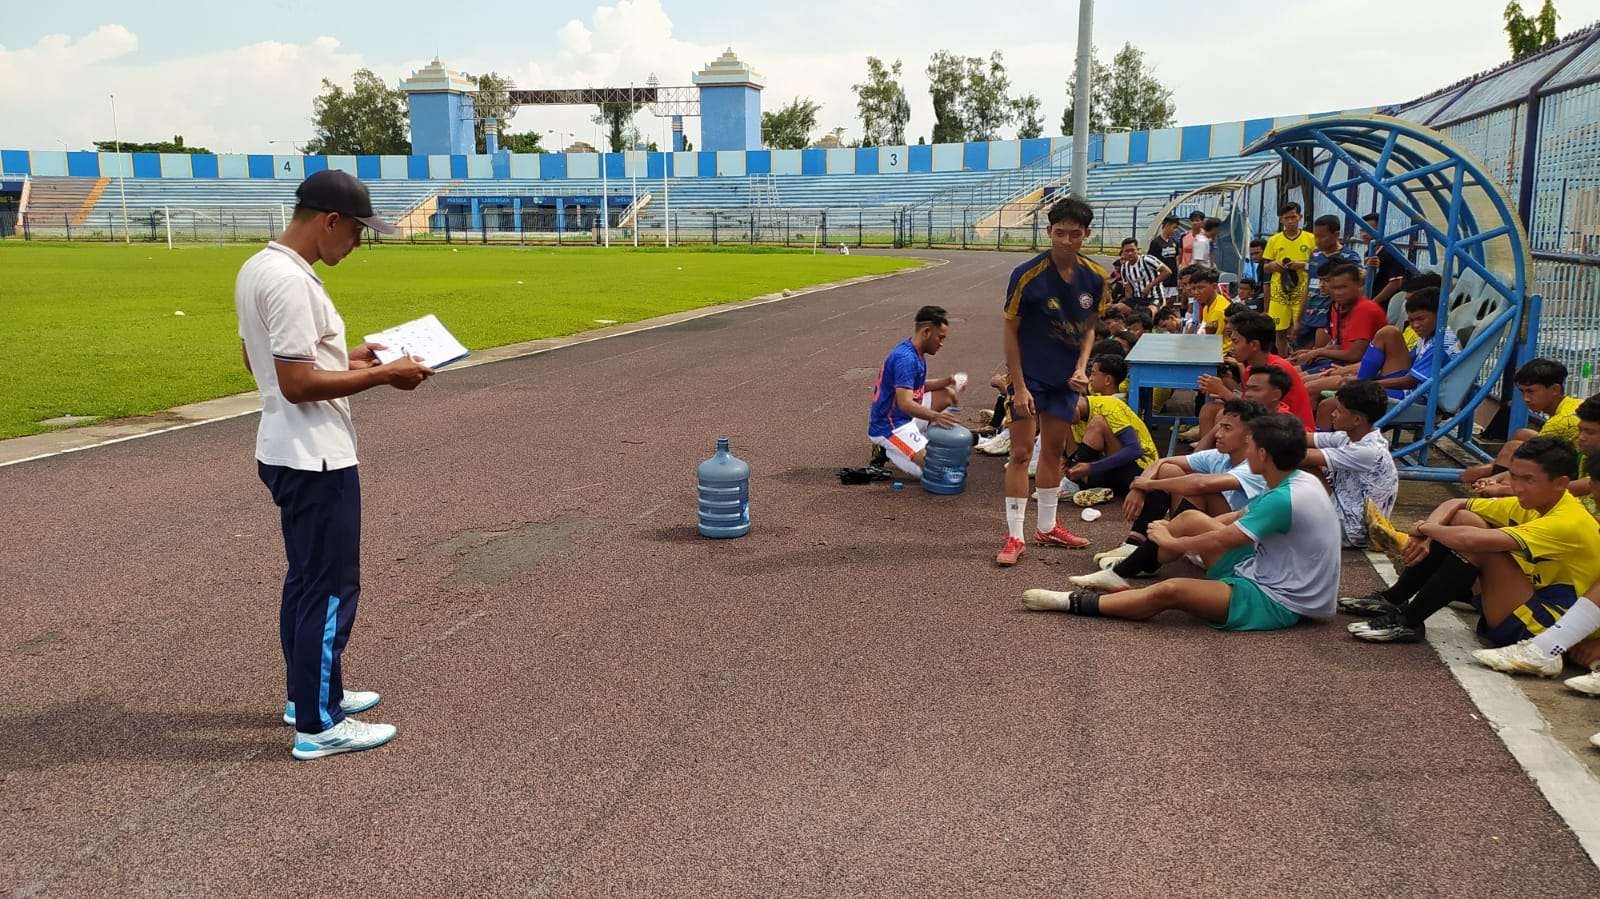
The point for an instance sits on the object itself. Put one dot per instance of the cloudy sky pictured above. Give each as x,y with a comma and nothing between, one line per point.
235,81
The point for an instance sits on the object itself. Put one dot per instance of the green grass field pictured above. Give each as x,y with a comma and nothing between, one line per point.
92,329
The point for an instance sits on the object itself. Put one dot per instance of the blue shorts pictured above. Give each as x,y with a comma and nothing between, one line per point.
1543,609
1249,607
1057,402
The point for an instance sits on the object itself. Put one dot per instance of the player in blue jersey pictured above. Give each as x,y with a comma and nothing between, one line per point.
905,402
1052,310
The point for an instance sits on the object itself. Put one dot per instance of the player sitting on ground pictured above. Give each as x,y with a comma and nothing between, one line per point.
1110,444
1050,319
1216,482
905,402
1529,555
1266,566
1397,368
1356,458
1542,383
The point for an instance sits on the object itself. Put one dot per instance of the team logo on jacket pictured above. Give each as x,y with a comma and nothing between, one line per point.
1085,301
1052,304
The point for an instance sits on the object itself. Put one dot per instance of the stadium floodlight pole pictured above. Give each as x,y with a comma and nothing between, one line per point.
666,181
605,193
1080,107
631,110
122,171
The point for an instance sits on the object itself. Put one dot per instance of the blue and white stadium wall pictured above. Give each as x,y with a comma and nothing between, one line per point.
1187,143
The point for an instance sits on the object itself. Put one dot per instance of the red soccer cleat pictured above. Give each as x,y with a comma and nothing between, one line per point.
1060,536
1010,553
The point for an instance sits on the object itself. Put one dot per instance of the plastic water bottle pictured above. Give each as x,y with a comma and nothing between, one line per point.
944,468
724,481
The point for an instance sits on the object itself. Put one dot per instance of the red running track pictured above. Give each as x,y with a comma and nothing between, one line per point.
593,700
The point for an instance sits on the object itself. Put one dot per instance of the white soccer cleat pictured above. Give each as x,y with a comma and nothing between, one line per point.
998,445
1106,581
353,702
1587,684
1595,740
1106,560
1520,658
348,735
1047,600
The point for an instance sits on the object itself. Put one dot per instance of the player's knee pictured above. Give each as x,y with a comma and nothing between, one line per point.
1169,470
1521,437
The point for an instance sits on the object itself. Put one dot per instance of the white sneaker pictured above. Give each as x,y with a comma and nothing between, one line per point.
348,735
1047,600
1106,560
353,702
998,445
1595,740
1106,581
1520,658
1588,684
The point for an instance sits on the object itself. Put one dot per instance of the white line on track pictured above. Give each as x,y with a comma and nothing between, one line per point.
1566,783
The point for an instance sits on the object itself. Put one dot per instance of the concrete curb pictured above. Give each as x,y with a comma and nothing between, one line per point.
18,450
1565,782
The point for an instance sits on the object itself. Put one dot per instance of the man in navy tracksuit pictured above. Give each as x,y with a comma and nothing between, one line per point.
294,344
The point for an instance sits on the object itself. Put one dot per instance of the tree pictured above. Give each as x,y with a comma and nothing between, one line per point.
1027,114
1124,97
525,142
618,121
1100,81
946,84
1528,36
161,146
882,102
492,101
1136,100
790,127
369,119
985,106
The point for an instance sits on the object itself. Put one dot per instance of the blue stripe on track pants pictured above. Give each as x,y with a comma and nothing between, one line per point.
321,517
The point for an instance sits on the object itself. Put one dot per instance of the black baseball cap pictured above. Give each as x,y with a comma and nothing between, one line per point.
332,190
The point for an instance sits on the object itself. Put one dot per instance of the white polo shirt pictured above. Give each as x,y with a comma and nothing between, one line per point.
284,313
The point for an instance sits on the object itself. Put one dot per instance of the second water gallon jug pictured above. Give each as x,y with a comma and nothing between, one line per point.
944,468
724,484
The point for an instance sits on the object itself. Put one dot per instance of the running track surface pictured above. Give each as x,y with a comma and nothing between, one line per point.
593,700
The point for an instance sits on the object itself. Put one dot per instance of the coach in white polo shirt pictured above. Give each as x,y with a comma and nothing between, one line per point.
294,345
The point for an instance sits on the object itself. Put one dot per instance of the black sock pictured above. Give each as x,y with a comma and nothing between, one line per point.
1144,559
1085,603
1451,581
1156,504
1414,577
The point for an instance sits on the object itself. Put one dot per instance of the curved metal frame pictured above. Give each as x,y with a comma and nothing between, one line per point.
1381,153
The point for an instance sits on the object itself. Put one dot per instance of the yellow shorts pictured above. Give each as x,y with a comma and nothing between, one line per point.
1284,312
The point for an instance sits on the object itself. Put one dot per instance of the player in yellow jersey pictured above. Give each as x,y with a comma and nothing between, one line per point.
1286,257
1111,445
1542,383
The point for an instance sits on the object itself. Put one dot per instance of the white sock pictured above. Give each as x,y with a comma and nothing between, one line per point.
1048,498
1571,629
1016,511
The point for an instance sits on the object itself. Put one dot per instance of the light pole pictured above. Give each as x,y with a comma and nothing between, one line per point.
605,187
1080,108
635,204
666,181
122,170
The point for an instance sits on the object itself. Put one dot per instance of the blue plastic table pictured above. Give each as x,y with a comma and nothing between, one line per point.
1170,360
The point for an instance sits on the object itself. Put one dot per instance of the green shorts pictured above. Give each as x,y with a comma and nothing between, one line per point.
1249,607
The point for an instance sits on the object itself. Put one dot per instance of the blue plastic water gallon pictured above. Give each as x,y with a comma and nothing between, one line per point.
944,468
724,481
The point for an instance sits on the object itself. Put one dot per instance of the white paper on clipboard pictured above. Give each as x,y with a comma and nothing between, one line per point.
425,338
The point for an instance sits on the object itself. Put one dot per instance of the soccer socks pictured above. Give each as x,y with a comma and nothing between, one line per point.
1414,577
1049,498
1573,628
1145,559
1016,511
1452,580
1084,602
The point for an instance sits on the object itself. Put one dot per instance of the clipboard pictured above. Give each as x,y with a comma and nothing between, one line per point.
425,338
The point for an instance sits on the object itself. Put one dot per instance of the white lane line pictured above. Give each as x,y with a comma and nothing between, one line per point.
1567,784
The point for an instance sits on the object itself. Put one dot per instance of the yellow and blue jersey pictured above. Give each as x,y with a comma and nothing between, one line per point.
1057,315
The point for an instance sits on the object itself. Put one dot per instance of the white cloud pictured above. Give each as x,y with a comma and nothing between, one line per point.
230,100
